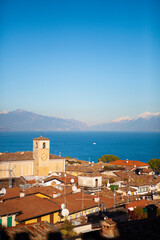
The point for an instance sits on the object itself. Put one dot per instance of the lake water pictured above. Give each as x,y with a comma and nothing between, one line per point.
141,146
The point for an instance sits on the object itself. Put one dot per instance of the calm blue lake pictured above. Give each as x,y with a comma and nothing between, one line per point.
141,146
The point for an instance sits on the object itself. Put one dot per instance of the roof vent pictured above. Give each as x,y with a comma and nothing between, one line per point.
22,193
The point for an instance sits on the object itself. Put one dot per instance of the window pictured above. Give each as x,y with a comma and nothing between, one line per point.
44,145
76,216
96,182
36,144
70,217
0,221
85,212
9,221
80,214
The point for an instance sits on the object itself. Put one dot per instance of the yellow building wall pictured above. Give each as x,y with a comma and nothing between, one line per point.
31,221
41,195
46,218
43,171
56,217
79,214
21,168
57,165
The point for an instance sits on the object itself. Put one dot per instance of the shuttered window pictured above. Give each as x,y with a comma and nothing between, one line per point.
9,221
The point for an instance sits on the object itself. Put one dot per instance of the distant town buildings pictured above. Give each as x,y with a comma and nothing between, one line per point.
37,163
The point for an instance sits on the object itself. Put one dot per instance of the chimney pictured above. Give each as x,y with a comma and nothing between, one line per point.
22,193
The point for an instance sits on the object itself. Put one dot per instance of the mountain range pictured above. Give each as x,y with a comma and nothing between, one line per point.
21,120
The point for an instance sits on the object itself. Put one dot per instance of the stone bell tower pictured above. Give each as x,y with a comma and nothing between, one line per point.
41,150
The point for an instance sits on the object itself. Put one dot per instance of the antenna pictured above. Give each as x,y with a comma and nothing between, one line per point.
10,172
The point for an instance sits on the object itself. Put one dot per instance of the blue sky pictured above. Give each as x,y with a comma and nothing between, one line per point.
94,61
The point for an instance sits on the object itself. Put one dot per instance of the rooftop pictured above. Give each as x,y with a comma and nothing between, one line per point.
41,138
34,231
22,156
128,163
32,206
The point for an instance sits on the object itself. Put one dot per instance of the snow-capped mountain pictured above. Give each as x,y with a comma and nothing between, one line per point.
143,122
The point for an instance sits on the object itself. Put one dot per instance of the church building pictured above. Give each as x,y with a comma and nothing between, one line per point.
38,163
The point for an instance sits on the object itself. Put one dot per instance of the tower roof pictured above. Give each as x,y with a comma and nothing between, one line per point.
41,138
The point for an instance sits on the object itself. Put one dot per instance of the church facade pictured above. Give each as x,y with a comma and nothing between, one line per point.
38,163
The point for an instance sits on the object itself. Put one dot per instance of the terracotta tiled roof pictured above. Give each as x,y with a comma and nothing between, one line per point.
22,156
41,138
85,167
74,201
16,156
128,163
34,231
11,193
6,210
140,203
47,191
62,178
52,156
32,206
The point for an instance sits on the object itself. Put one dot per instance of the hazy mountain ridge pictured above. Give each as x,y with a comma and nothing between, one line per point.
21,120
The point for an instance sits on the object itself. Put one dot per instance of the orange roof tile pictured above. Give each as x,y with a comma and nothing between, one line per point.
128,163
32,206
140,203
76,201
41,138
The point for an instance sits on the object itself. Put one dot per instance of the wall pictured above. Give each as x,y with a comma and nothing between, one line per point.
22,168
89,181
57,165
4,220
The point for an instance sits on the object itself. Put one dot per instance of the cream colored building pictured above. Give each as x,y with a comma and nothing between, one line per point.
38,163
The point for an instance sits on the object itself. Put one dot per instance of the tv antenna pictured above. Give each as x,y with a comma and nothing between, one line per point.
10,173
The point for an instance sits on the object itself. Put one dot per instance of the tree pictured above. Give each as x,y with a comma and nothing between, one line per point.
155,164
108,158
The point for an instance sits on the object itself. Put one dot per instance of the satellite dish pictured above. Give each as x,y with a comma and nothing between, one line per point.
63,206
129,192
3,191
65,212
74,188
72,180
96,199
59,174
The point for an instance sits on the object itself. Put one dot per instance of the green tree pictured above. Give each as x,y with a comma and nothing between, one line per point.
154,164
108,158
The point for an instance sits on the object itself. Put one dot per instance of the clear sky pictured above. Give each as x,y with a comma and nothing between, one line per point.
93,61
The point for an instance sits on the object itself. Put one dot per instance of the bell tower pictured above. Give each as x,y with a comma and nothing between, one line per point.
41,150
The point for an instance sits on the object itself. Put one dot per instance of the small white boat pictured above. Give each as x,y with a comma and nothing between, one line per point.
94,143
